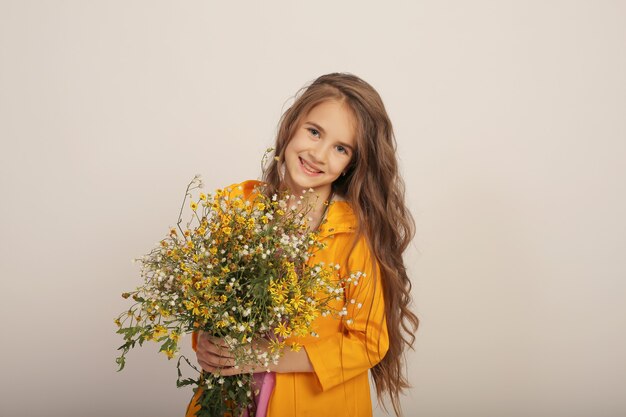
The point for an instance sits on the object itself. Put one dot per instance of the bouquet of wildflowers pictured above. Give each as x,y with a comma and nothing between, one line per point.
240,271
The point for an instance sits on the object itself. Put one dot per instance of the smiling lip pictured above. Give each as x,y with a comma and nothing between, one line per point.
309,168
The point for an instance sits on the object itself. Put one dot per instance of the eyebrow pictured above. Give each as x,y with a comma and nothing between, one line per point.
321,129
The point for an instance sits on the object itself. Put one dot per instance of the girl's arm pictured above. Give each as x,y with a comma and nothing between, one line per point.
363,341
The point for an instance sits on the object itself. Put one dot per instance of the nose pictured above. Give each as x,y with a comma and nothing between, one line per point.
318,153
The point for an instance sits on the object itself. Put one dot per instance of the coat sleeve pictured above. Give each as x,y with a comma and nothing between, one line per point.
364,340
194,340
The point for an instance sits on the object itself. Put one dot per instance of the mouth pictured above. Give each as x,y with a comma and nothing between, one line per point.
308,168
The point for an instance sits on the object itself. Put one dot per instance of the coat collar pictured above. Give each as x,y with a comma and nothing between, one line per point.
340,218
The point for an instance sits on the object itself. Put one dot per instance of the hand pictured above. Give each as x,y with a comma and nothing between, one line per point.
213,354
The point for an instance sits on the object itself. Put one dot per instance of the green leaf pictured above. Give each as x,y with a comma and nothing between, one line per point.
121,361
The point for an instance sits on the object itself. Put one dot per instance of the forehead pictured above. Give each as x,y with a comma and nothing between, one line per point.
336,119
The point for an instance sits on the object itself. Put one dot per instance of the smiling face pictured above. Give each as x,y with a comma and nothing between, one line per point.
321,148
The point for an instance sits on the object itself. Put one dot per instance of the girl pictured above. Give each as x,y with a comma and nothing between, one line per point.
337,139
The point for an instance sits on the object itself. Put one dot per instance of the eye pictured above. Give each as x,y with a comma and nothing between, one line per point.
313,131
342,149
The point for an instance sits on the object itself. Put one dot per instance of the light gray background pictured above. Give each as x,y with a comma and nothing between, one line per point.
511,128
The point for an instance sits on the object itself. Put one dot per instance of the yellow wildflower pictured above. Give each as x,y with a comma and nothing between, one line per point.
282,330
278,292
295,346
159,331
238,204
276,346
299,328
193,305
297,302
202,196
194,206
204,312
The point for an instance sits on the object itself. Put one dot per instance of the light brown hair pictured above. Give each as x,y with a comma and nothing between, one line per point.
375,191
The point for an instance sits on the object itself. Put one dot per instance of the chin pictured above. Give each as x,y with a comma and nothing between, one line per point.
302,183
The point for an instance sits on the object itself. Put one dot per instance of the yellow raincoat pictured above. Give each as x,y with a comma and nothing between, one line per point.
346,348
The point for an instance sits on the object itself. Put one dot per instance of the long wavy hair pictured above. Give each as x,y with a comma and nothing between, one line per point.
375,191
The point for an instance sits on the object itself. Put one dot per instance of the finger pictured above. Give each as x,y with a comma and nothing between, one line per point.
218,350
206,338
206,367
214,360
207,343
218,341
210,367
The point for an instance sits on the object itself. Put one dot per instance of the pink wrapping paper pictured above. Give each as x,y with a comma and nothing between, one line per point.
264,382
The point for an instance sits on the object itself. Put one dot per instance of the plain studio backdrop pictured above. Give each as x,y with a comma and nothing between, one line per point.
510,118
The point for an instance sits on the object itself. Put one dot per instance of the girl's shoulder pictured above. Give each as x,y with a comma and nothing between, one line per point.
245,188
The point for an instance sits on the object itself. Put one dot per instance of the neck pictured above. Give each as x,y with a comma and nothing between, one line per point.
318,203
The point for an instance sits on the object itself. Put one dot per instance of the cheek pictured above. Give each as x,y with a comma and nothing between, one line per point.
339,164
294,145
